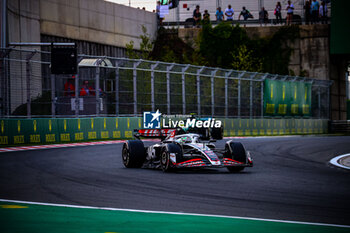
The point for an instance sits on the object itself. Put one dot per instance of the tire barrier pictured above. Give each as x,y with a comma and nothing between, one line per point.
63,130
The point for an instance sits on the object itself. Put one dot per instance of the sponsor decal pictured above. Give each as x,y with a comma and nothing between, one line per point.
211,155
152,120
50,137
34,138
4,140
65,137
79,136
92,135
173,158
18,139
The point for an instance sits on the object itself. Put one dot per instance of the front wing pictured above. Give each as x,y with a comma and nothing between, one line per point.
201,162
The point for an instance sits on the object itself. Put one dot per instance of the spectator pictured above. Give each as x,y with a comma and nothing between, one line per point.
206,17
219,15
229,13
197,16
69,87
307,13
277,13
314,11
245,13
263,16
323,12
170,4
160,20
86,90
289,9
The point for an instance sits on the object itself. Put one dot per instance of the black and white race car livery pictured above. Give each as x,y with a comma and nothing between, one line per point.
183,150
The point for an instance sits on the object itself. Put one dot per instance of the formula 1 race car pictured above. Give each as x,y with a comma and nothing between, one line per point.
183,150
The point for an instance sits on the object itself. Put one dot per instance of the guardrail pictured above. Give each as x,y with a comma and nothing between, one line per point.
63,130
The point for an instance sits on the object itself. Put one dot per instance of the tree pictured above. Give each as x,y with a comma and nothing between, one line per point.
244,60
146,46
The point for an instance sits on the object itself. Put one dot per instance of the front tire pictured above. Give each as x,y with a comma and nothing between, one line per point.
235,151
133,154
166,163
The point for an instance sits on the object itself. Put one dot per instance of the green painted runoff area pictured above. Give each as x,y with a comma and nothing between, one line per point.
64,130
26,218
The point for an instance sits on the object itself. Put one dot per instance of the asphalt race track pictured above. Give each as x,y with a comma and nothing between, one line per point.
290,180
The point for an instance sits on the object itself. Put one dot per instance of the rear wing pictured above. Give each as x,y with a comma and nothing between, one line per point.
153,133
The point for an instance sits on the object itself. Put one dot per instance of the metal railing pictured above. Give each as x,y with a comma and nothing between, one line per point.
249,22
110,86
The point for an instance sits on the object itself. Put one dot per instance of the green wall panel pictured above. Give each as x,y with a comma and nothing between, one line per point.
64,130
287,98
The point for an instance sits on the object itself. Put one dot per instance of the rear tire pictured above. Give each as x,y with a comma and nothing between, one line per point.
133,154
235,151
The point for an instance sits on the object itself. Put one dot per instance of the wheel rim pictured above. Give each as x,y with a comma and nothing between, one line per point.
125,155
164,160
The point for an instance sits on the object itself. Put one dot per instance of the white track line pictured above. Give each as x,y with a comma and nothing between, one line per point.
74,144
55,146
175,213
335,162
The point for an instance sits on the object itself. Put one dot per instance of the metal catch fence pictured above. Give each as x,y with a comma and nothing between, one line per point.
110,86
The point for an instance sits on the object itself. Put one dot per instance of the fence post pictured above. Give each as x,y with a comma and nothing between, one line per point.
53,95
28,88
212,92
226,95
77,94
135,86
239,99
168,88
183,93
184,89
251,98
262,99
239,93
262,94
28,71
329,102
97,87
199,91
152,89
117,88
152,85
198,95
7,85
4,92
227,74
319,101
